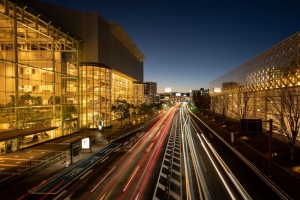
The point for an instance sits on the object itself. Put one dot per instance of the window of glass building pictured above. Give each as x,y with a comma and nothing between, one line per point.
95,85
38,75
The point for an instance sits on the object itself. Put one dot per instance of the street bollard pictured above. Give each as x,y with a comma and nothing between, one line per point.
232,137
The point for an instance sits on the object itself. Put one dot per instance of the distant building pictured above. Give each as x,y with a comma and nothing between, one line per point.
200,98
204,93
180,97
150,88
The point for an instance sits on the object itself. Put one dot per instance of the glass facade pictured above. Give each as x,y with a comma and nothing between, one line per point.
44,84
122,88
38,75
275,68
95,83
138,93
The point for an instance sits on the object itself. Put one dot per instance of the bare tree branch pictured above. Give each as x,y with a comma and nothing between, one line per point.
222,102
286,110
242,110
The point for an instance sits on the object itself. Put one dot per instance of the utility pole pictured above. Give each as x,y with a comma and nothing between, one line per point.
270,148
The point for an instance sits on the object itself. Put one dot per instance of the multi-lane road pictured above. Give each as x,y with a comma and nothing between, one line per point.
177,158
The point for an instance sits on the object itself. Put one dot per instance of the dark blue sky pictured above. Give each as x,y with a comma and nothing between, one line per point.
189,43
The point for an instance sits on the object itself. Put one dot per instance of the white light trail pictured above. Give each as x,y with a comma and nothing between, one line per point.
131,178
217,170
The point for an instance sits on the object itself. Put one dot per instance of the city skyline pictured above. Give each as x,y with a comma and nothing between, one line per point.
188,44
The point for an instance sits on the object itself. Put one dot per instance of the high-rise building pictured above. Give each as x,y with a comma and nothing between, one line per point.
63,69
150,88
200,98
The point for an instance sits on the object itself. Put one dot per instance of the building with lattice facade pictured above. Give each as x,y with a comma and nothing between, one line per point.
277,67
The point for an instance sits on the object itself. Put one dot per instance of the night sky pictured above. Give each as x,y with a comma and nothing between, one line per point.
189,43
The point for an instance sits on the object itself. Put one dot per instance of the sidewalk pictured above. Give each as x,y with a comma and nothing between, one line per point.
52,170
101,141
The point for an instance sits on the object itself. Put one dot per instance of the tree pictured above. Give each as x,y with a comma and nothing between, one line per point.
222,106
134,111
285,105
143,109
148,108
10,108
212,106
121,109
242,104
156,107
28,112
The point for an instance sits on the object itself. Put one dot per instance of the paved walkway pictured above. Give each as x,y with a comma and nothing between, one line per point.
101,141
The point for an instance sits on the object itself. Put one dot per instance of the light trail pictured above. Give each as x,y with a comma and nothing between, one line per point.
201,183
262,176
187,174
197,169
131,178
218,171
136,151
52,189
151,162
149,148
237,184
200,180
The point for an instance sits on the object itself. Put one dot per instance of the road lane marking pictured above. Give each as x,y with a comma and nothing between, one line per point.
104,159
86,174
57,197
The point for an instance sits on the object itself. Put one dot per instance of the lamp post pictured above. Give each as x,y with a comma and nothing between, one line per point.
270,149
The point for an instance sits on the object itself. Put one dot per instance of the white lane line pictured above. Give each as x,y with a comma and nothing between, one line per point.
57,197
104,159
86,174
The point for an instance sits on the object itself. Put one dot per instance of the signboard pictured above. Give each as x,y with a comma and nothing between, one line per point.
85,143
168,89
185,94
178,94
250,126
217,89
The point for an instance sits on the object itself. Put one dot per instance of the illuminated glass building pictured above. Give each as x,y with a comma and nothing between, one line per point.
275,68
61,70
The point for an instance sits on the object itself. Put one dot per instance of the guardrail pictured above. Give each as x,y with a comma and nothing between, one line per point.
27,168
